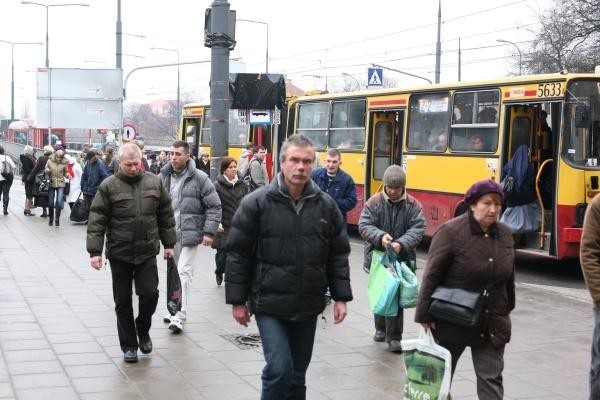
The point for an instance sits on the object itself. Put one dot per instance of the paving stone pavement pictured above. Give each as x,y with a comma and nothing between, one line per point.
58,337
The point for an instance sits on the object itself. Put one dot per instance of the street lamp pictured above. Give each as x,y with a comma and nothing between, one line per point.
12,73
518,49
355,80
47,6
318,77
176,51
267,53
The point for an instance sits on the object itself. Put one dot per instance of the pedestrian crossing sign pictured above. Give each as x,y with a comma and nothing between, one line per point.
375,77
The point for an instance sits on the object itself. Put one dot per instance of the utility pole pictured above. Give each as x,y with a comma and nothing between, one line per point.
221,41
438,45
119,35
459,60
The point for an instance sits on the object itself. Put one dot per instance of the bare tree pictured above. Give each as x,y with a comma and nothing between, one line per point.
569,38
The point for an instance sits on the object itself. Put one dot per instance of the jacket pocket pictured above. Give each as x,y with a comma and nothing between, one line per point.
150,200
123,205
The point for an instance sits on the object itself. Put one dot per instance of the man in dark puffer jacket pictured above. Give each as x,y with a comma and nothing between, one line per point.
286,244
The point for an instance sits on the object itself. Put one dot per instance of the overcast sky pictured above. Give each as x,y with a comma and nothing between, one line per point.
308,41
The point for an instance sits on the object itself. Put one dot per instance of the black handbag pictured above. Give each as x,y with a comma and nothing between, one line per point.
80,211
457,306
460,306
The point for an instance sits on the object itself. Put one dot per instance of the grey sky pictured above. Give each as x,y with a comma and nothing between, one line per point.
318,38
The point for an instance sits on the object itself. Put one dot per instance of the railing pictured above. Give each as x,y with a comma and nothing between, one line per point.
541,202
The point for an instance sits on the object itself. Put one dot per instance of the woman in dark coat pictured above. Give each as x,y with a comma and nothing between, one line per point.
40,198
27,165
463,254
230,189
204,163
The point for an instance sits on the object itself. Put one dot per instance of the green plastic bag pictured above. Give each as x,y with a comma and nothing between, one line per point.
428,368
384,284
409,287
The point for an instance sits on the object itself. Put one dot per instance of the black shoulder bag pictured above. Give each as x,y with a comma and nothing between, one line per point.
459,306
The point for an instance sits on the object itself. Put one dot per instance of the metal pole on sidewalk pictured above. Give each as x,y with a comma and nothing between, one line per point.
221,41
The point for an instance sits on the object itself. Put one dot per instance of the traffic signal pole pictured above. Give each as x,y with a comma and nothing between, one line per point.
220,43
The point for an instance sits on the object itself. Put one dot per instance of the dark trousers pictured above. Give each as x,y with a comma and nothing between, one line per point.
220,261
4,189
392,326
488,362
287,347
145,276
595,363
88,200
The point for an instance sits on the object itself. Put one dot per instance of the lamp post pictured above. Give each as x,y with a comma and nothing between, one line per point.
47,6
355,80
267,53
12,72
518,49
178,106
318,77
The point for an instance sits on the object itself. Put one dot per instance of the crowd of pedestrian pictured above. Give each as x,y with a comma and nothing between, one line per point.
282,245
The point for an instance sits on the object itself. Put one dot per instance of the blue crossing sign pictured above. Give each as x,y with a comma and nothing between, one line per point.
375,77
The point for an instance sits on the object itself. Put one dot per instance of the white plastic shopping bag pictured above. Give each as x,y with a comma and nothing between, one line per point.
428,368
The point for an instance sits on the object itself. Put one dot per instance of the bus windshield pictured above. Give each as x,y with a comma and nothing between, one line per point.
581,142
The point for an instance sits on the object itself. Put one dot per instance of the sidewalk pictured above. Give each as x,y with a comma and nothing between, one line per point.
58,336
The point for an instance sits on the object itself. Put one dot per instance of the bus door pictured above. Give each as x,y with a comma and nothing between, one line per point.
527,124
385,146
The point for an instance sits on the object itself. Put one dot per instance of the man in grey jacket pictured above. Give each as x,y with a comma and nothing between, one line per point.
197,211
392,218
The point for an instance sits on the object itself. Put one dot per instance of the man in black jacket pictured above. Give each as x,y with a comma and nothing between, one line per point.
286,244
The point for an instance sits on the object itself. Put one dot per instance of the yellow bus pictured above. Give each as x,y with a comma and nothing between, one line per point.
195,129
448,136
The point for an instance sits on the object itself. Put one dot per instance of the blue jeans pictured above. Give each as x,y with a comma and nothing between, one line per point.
595,364
287,347
56,193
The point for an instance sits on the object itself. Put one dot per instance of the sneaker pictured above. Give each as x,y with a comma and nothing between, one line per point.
176,325
395,346
167,318
379,336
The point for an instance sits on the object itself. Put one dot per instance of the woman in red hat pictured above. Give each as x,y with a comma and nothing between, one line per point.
474,252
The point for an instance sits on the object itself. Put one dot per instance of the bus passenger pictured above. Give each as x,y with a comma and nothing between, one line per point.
336,183
476,143
442,142
383,139
392,218
523,213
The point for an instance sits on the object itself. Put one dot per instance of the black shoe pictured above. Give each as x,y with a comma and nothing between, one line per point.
219,278
130,356
395,346
379,336
145,343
